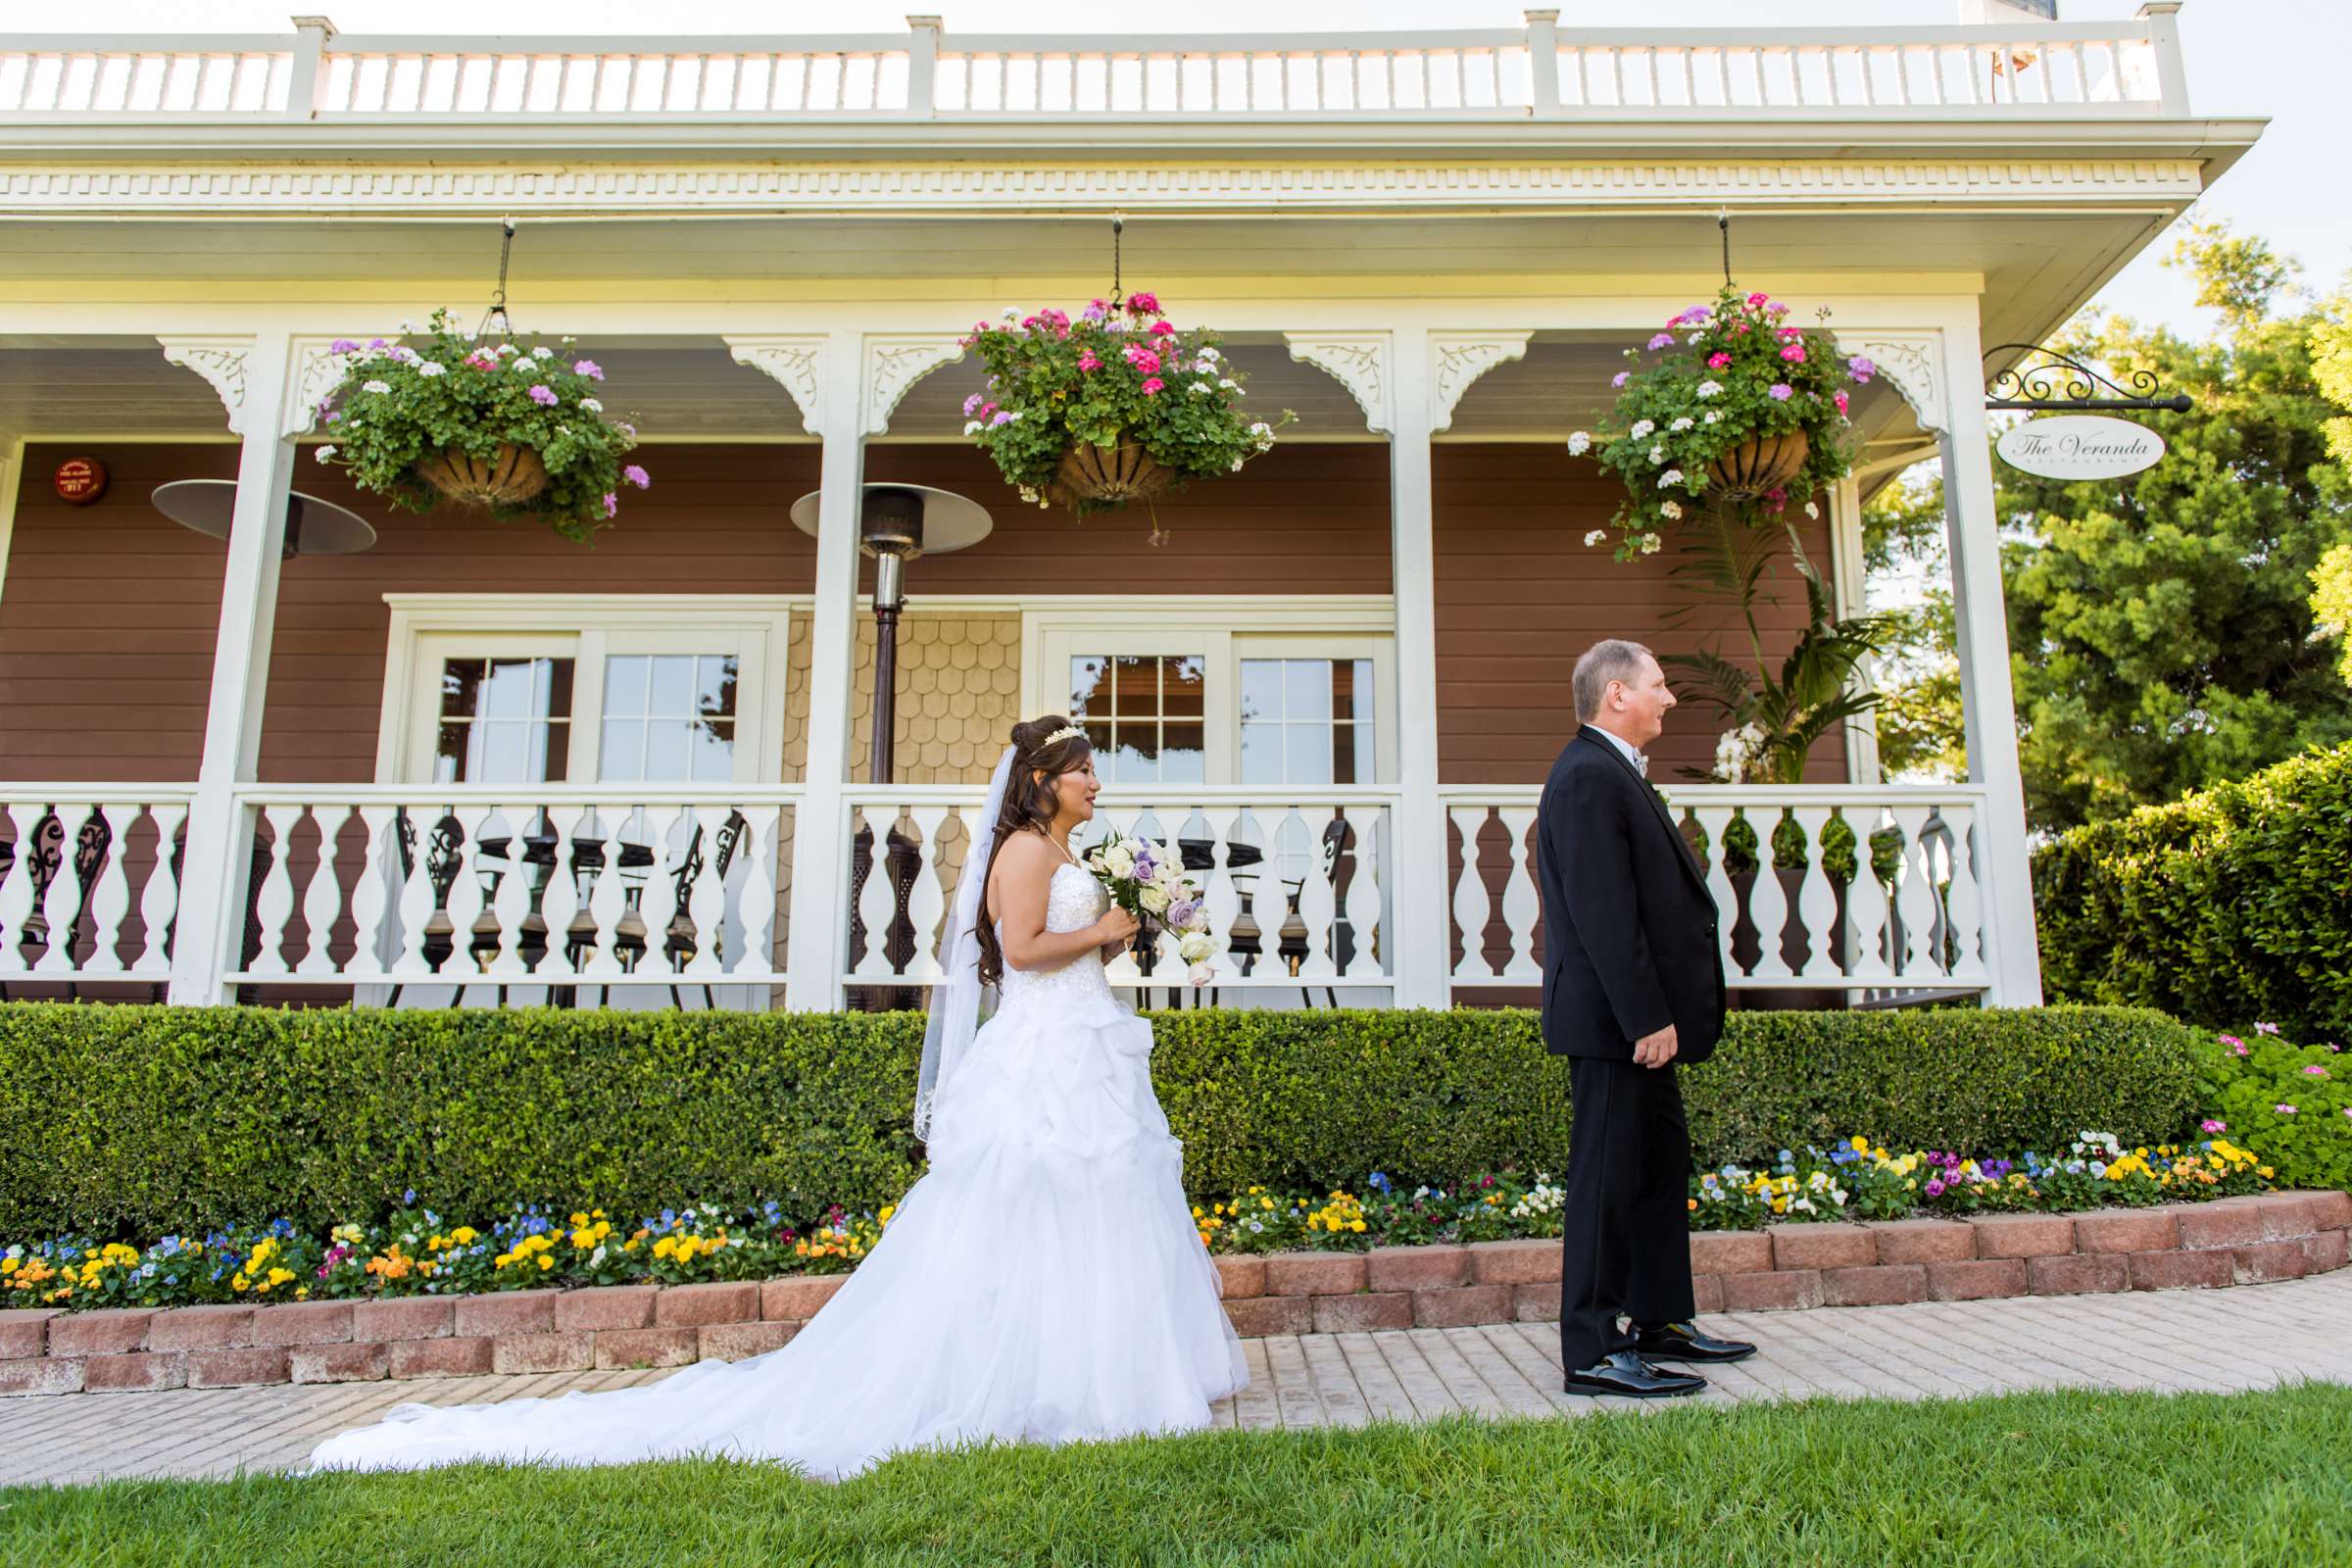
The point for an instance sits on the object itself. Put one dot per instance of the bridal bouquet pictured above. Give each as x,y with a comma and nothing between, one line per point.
1148,881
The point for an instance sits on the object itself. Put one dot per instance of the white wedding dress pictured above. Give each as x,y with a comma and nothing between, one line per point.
1042,1283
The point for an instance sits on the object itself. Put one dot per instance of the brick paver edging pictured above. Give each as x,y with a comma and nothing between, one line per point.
2233,1241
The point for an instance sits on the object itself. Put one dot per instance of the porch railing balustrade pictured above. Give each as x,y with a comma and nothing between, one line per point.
317,77
583,894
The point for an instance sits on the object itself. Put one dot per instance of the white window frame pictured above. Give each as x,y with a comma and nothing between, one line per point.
1223,630
427,628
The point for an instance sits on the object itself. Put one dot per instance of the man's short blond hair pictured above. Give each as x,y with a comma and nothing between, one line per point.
1611,658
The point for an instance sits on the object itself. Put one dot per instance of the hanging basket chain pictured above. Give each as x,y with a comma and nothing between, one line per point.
498,300
1722,222
1118,221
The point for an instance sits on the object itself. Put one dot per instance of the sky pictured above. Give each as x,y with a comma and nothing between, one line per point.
2279,58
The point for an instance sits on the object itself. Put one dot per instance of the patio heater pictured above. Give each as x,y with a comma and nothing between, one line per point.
313,527
896,523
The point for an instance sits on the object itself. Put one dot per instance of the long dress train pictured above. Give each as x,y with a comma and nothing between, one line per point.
1042,1283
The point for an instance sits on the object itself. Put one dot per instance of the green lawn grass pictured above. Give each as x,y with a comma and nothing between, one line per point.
2022,1481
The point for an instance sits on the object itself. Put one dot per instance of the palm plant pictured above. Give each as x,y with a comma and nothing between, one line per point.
1775,717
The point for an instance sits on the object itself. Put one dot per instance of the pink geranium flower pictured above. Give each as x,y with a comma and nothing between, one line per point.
1143,302
2212,1126
612,505
1718,360
1780,392
1151,385
1759,299
1794,353
1839,398
543,397
1088,361
2285,1109
1163,329
637,476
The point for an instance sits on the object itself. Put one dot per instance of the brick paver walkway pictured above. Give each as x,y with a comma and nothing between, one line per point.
2246,1338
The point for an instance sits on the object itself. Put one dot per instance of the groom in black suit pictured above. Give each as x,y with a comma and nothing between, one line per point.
1632,983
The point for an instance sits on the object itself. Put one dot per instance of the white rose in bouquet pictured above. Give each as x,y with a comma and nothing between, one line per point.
1197,947
1119,860
1154,898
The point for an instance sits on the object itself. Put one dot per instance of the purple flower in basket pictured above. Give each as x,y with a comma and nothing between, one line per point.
589,369
543,397
636,476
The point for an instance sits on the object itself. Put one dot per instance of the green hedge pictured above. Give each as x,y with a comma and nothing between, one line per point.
2230,904
151,1120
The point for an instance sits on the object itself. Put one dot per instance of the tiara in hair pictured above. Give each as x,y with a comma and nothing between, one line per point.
1068,732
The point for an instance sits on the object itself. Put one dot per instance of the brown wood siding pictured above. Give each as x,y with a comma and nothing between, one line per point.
715,521
109,611
1520,595
1300,520
106,619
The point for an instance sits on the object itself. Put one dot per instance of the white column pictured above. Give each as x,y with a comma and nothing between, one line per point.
1424,936
253,377
12,480
2163,18
1987,702
820,852
1846,582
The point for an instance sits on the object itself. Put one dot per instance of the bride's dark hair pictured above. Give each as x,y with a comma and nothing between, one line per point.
1029,803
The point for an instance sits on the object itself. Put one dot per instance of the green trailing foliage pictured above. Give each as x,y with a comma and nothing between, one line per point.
159,1120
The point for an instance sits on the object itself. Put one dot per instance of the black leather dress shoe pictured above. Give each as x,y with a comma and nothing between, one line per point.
1627,1374
1682,1341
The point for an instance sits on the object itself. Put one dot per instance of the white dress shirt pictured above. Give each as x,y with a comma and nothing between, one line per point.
1639,761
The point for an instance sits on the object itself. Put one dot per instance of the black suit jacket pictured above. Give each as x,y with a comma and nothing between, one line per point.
1629,939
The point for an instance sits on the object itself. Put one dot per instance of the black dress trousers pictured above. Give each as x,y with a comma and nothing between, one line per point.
1626,1242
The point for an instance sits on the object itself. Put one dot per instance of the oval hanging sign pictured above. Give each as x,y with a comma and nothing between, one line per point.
2080,446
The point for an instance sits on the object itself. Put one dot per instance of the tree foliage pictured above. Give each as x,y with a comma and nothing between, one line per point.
2162,628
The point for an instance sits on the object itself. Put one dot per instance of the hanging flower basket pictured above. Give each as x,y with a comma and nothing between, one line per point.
1108,476
1115,406
507,424
512,477
1761,465
1727,407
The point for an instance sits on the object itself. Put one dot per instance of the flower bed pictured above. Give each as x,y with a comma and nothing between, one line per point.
2297,1099
2233,1241
420,1253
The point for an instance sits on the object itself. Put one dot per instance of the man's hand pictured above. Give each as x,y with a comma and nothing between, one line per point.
1656,1050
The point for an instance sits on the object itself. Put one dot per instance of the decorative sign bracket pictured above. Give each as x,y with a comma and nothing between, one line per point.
2061,383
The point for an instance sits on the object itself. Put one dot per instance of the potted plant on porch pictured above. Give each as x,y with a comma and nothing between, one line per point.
1116,405
505,423
1737,409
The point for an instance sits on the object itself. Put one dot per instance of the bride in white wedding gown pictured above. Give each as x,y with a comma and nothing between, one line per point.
1042,1283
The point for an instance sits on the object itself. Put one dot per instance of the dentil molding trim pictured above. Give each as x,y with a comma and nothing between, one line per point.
645,190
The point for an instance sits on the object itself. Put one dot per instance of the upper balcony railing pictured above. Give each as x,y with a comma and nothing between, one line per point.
1537,72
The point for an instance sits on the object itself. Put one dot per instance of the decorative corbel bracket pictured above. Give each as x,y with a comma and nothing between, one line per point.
894,363
224,362
1458,359
793,364
1358,361
1913,360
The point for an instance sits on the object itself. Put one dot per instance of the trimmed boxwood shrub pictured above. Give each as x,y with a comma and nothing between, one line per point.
2230,904
153,1120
